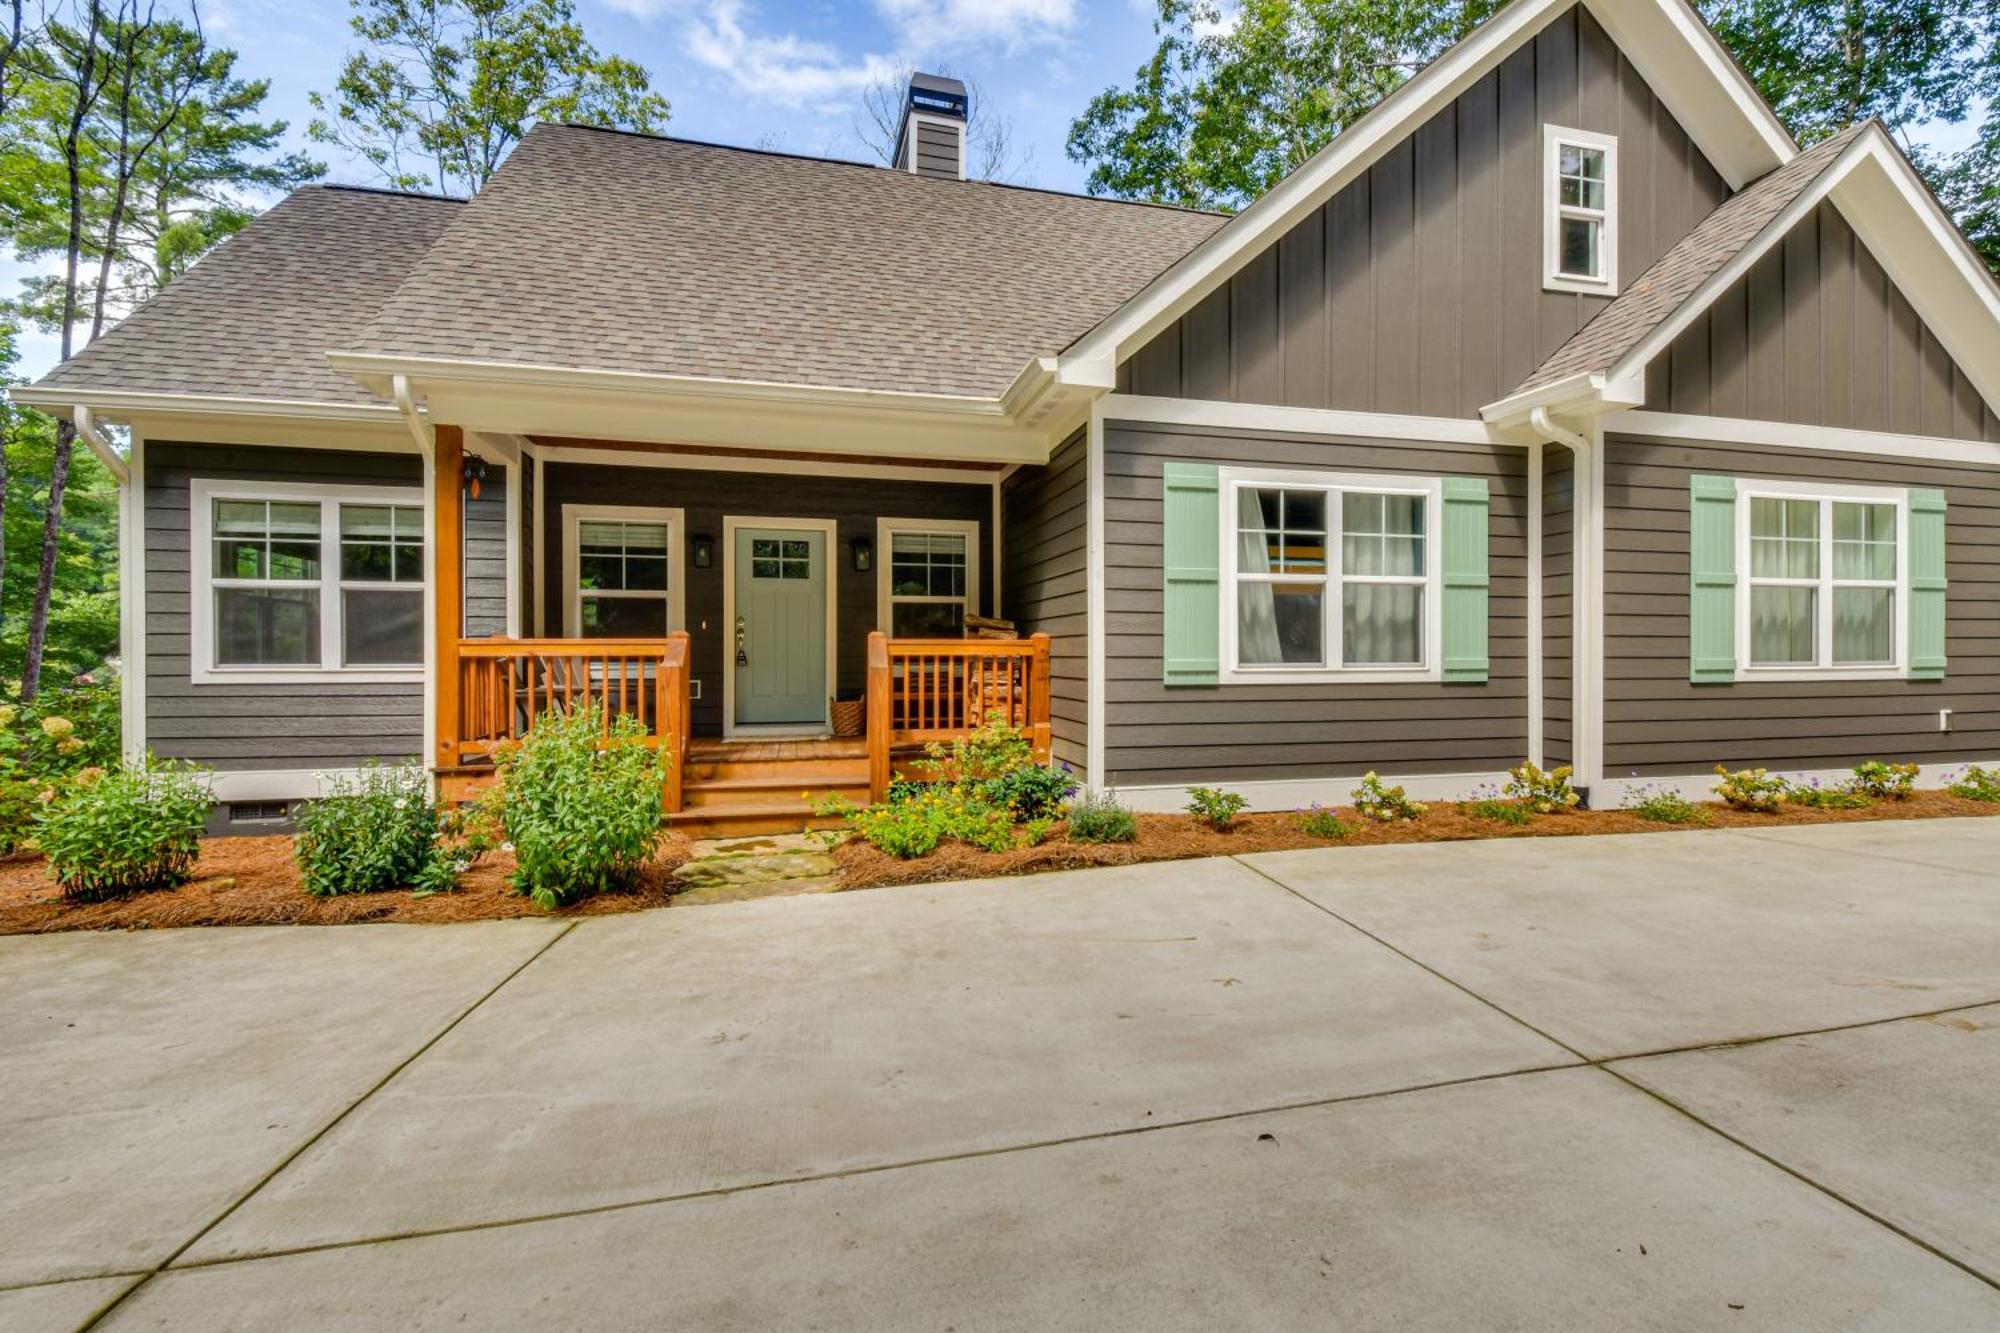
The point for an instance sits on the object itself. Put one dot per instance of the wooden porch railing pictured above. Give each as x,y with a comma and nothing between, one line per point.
923,690
503,685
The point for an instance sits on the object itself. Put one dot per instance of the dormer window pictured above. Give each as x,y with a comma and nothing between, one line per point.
1580,209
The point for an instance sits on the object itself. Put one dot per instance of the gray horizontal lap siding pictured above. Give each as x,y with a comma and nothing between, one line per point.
313,724
1156,734
937,150
854,503
1418,287
1044,535
1816,334
485,554
1657,722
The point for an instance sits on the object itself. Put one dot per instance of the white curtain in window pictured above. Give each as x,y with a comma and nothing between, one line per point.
1256,603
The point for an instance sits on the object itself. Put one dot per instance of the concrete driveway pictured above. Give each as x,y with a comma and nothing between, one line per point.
1730,1080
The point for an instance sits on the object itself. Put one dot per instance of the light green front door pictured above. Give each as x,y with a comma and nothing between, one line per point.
780,631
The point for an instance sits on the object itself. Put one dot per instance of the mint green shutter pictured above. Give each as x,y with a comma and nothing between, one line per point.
1927,584
1711,579
1463,532
1192,549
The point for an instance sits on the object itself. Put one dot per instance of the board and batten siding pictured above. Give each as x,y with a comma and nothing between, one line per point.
1558,591
316,723
1045,551
1657,722
1155,734
1816,334
854,503
1418,287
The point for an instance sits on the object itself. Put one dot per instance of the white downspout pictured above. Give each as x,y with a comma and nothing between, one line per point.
86,428
1587,601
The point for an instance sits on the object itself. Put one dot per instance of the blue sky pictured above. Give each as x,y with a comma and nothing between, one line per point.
783,74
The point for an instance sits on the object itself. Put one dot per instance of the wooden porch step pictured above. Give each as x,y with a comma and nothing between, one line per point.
770,788
748,820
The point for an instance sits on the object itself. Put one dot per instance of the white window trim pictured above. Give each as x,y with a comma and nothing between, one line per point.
886,528
1230,480
1748,489
573,519
203,492
1553,278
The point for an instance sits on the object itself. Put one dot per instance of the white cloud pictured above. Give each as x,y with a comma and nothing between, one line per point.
940,25
784,67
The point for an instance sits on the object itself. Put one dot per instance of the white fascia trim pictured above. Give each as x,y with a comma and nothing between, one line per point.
121,405
1584,394
1298,420
1736,131
1296,793
366,367
1735,431
789,467
1611,793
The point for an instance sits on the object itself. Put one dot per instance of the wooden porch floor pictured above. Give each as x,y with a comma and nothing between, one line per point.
714,749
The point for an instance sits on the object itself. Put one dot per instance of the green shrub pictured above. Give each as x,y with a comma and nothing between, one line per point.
940,812
1316,821
66,730
996,749
1499,812
1754,789
1976,784
372,832
1665,807
1215,807
1815,796
108,832
1885,782
1096,816
1384,805
1032,791
580,805
1544,792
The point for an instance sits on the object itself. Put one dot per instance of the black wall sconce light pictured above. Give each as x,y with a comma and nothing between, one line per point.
473,474
863,551
704,550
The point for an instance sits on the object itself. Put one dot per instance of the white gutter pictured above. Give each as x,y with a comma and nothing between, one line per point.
420,430
123,404
86,427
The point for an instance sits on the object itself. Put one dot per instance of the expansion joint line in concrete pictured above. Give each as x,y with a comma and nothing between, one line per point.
325,1129
1604,1065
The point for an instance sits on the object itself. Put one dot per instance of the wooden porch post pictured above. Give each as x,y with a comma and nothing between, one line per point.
448,540
1038,697
877,726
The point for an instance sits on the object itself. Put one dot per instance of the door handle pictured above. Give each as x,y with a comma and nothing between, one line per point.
742,644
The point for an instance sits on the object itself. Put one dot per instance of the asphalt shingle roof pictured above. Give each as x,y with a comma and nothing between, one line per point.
1678,274
255,318
610,251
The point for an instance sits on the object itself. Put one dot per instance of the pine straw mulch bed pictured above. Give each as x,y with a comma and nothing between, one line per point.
254,882
1178,837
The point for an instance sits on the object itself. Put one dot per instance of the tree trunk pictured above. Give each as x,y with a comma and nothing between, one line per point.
45,581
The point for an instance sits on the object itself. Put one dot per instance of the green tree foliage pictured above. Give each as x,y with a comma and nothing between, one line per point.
444,88
83,606
1232,101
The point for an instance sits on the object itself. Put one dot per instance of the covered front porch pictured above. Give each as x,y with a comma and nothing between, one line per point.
787,630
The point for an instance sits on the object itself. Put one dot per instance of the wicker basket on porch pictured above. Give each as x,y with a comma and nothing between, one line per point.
850,716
